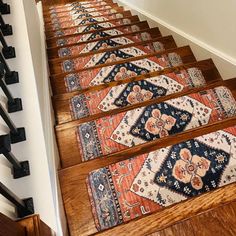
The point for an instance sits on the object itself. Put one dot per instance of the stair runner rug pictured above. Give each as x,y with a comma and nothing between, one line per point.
111,56
76,5
84,21
103,44
106,74
123,95
152,181
124,130
96,7
98,35
77,16
91,27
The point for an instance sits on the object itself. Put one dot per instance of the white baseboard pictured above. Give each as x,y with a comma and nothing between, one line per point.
225,63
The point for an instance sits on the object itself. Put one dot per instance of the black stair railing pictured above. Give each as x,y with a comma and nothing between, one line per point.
24,207
13,104
7,51
19,169
4,8
5,28
11,77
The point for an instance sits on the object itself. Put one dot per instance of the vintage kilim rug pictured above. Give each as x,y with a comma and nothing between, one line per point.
98,35
77,22
111,56
123,95
124,130
93,26
149,182
103,44
121,71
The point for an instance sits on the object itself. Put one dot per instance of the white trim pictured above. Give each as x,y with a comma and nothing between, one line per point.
196,41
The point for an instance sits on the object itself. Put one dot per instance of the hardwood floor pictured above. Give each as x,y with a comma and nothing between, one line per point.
87,64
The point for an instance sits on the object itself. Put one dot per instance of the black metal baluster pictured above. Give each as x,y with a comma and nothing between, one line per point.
24,207
17,134
13,104
4,8
5,28
11,77
7,51
20,169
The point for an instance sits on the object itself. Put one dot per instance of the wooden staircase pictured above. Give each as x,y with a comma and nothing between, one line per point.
108,72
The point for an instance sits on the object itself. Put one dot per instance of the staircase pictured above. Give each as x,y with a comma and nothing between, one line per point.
146,133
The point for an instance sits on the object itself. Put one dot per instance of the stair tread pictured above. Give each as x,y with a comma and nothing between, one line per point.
65,105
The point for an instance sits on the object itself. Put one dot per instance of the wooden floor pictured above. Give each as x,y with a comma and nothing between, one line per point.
212,213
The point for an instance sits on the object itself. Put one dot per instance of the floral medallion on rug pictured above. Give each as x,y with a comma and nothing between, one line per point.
146,183
111,134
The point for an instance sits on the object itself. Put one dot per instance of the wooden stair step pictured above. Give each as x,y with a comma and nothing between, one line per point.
76,199
66,108
83,21
103,44
70,6
112,134
78,62
92,27
94,36
95,8
67,82
105,10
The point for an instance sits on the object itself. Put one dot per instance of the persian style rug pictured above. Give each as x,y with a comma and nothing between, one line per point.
123,95
85,21
96,7
103,44
92,27
124,130
152,181
71,18
111,56
98,35
76,5
106,74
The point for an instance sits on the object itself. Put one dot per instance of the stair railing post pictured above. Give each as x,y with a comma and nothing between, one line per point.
13,104
7,51
17,134
11,77
25,207
5,28
4,8
20,169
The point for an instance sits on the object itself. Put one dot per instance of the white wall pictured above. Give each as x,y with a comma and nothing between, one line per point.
208,26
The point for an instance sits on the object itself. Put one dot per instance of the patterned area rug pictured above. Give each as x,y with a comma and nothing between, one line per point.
149,182
93,26
124,130
103,44
111,56
106,74
107,99
98,35
85,21
76,5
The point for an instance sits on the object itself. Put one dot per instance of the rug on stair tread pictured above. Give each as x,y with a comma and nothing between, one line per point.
123,95
92,27
98,35
103,44
77,16
121,71
111,134
149,182
71,7
84,21
111,56
83,10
